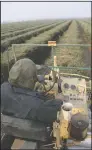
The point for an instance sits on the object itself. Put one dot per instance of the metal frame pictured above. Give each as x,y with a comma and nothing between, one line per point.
81,45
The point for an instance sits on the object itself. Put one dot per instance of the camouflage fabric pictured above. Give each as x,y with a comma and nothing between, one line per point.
23,74
39,87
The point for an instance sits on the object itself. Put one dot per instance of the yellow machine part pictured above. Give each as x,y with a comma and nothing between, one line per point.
64,133
77,110
63,129
64,125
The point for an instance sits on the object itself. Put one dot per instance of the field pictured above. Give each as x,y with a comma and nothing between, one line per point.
76,31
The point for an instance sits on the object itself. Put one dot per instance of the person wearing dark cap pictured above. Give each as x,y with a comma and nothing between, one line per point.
19,99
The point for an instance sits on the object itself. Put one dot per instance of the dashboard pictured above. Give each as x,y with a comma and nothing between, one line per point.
75,91
73,86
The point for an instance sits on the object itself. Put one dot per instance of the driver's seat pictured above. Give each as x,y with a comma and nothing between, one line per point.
25,129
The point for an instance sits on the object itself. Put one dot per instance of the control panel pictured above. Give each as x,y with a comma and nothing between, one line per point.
75,90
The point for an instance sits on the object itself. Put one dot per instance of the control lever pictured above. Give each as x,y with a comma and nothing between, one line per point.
59,81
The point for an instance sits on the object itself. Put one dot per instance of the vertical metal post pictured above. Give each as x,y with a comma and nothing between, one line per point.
14,53
55,61
52,54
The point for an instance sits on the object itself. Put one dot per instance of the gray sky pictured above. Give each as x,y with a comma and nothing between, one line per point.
18,11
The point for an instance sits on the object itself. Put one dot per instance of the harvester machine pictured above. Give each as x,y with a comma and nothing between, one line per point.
72,126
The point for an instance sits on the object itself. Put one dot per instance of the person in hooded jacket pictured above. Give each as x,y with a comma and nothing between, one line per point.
19,99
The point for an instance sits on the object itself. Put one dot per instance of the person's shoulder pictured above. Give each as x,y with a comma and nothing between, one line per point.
5,84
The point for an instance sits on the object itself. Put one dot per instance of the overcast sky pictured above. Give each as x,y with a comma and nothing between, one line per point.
18,11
